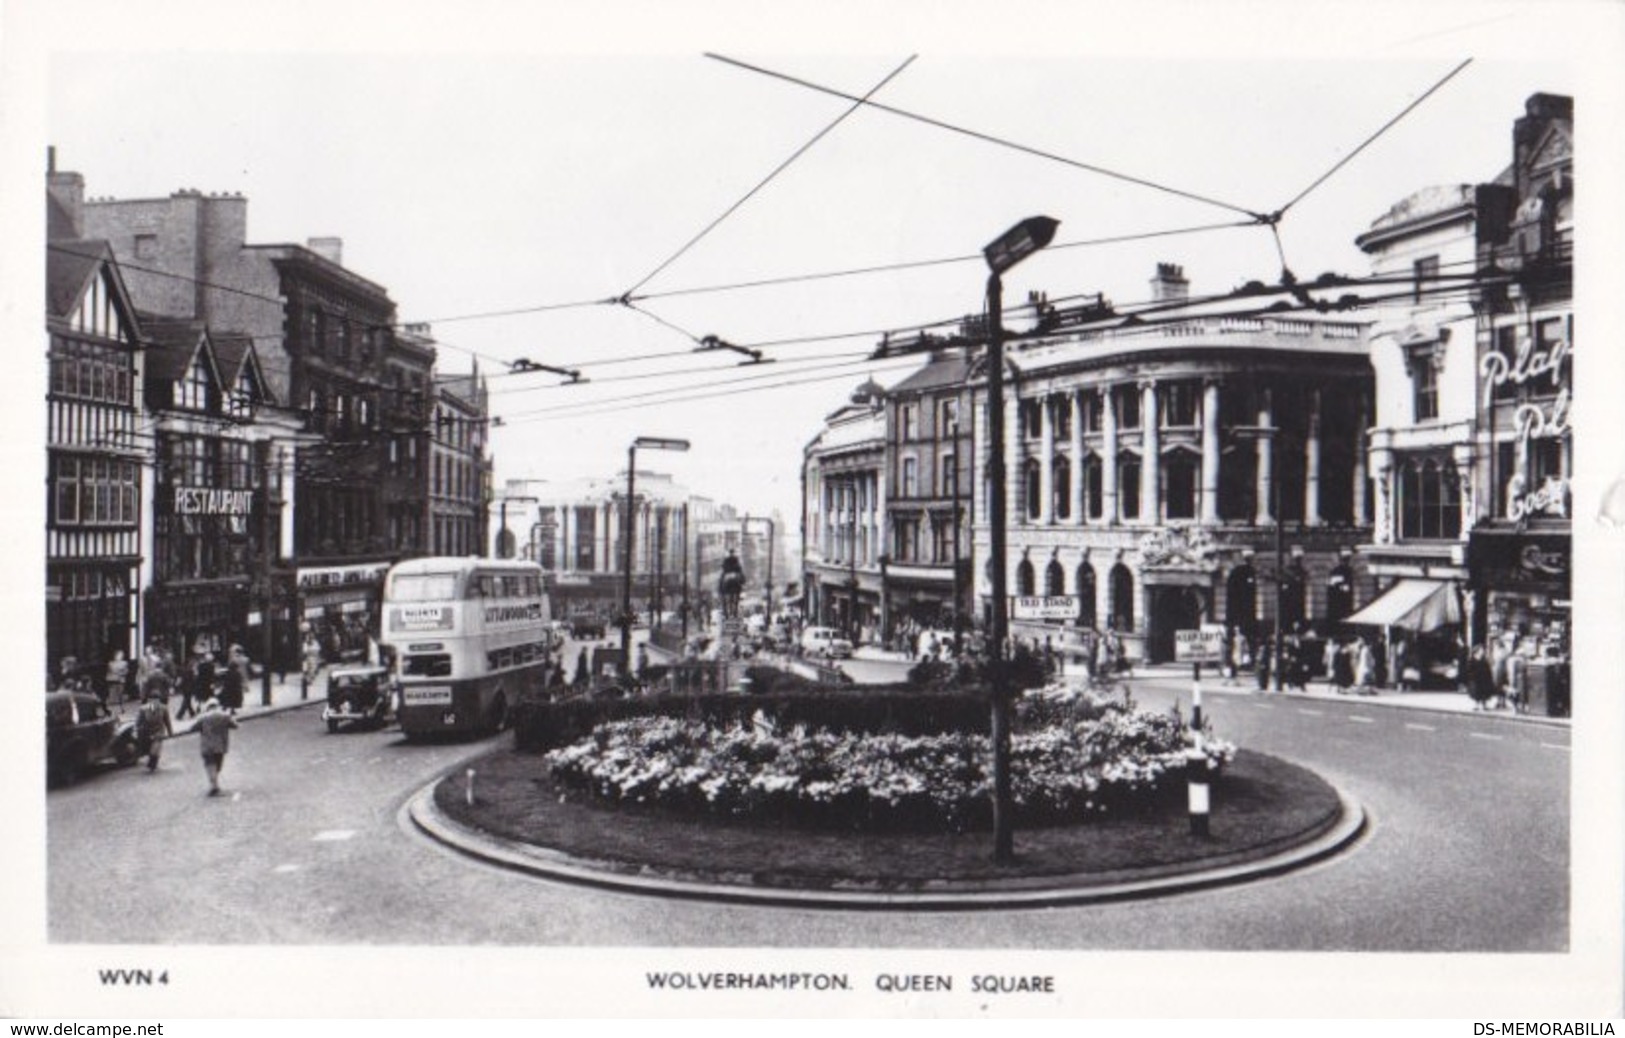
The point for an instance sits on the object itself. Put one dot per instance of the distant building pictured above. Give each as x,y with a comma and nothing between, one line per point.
929,473
844,486
459,467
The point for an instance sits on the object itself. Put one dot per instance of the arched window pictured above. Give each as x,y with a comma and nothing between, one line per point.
1086,595
1063,488
1054,578
1025,578
1122,617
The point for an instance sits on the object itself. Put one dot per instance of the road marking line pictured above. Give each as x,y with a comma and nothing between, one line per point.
1361,720
1312,713
1555,746
1483,735
1266,706
286,868
1420,727
334,834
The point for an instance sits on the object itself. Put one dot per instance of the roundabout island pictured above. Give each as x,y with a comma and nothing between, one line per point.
762,799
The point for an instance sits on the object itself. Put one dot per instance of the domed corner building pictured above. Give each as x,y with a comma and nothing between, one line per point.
1149,460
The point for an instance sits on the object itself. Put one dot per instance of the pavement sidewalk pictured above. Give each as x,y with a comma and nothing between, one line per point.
1247,684
287,693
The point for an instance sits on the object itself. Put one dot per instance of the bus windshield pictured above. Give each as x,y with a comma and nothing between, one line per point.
423,587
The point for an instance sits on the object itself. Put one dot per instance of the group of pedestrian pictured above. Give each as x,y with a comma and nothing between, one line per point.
210,694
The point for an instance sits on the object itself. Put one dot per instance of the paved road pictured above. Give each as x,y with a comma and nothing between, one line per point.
1468,851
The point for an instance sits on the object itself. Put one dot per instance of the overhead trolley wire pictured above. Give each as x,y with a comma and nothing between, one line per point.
989,138
1384,128
781,167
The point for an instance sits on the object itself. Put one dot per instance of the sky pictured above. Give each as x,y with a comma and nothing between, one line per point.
475,183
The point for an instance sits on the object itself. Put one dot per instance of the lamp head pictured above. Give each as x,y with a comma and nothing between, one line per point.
1019,242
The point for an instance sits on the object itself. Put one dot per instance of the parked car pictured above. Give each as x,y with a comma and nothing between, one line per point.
825,641
80,732
358,695
586,627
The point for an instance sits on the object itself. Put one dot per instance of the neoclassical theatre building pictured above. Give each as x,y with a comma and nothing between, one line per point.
1157,468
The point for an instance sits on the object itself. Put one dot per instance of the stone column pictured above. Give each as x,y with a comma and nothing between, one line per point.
1077,499
1014,477
1108,466
1382,522
1046,461
1359,469
1210,452
1266,418
1311,464
1151,456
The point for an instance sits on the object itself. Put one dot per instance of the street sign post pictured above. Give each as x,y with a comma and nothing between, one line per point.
1044,607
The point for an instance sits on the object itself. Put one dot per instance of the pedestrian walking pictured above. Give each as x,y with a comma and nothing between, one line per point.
1343,669
118,676
1480,679
233,680
198,687
213,727
1365,665
152,724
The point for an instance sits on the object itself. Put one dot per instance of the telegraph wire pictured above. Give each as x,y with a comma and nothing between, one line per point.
781,167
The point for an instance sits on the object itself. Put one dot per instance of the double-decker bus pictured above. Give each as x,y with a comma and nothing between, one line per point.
469,636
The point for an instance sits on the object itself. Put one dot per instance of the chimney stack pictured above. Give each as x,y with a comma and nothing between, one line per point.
1170,285
68,191
330,249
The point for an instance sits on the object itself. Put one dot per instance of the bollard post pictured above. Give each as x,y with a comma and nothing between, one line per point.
1196,695
1197,786
468,777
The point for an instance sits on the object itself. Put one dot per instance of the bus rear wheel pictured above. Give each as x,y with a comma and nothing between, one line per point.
498,718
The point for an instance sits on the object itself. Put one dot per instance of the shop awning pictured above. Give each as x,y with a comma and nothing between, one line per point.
1415,604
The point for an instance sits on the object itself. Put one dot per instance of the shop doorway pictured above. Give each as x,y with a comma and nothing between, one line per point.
1172,609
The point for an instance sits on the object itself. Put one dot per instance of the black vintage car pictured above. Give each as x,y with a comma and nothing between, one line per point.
80,733
359,695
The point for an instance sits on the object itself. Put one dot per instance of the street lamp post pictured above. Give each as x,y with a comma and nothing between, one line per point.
1270,434
647,443
1013,246
503,548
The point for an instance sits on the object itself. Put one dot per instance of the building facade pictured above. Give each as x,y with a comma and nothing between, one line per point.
844,485
459,490
1520,554
930,473
576,530
218,482
95,452
1174,472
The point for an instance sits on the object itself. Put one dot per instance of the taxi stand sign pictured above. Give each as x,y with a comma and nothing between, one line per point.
1044,607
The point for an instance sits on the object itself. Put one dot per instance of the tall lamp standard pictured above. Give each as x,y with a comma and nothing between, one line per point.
655,443
1270,434
1009,249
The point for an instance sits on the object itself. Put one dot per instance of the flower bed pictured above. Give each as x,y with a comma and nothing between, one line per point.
1118,761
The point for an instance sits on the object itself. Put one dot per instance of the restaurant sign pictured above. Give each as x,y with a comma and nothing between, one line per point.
206,501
